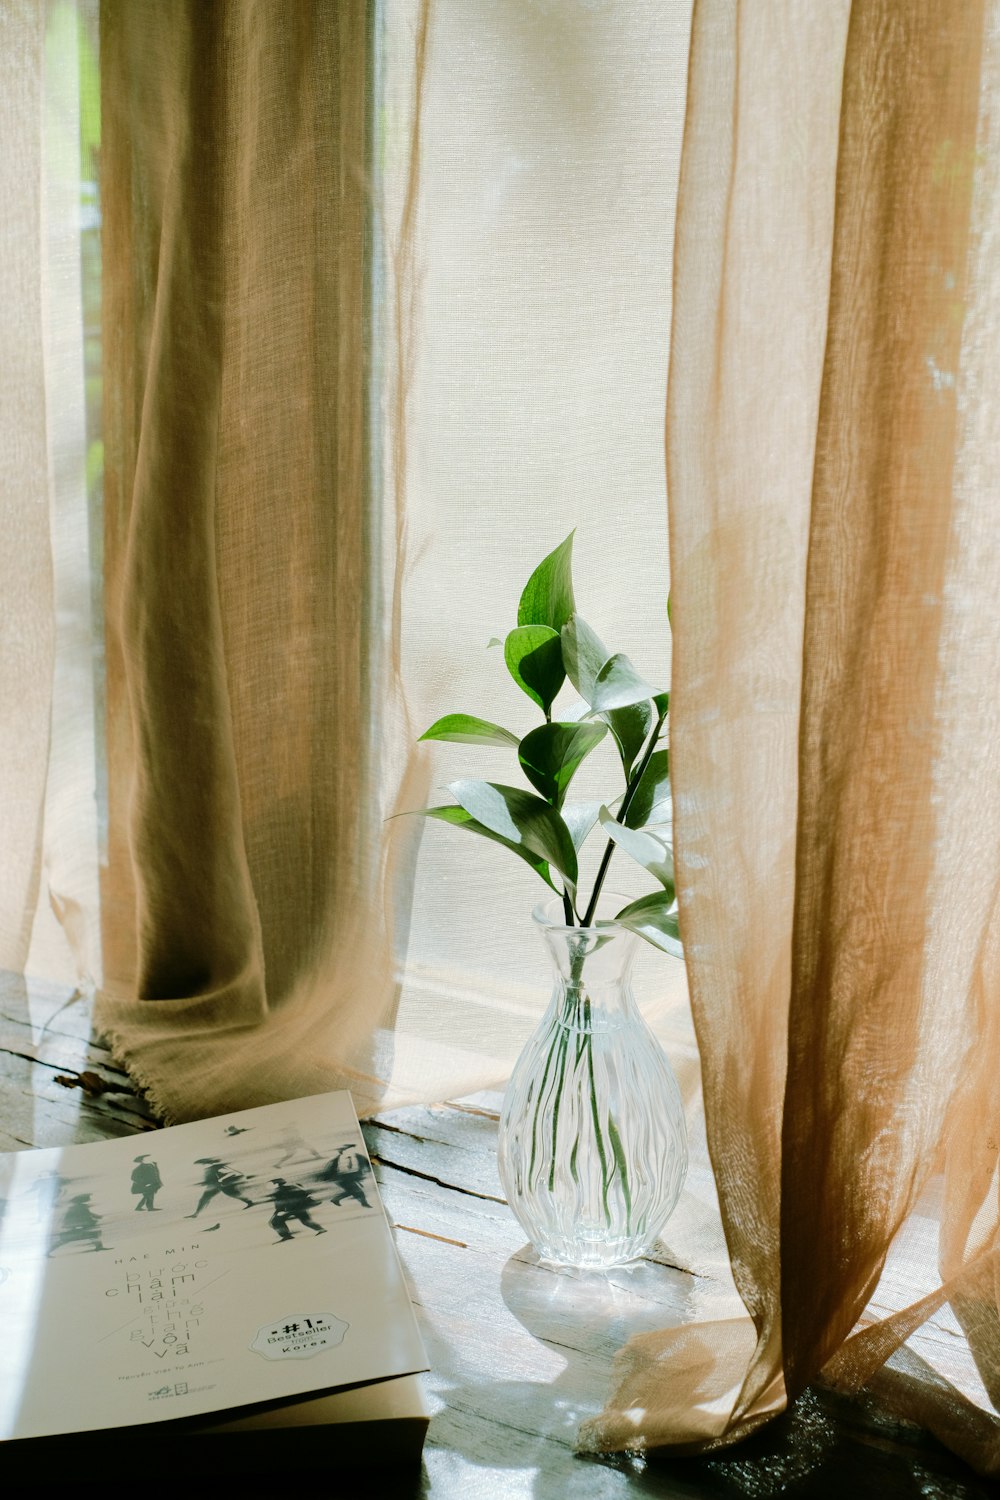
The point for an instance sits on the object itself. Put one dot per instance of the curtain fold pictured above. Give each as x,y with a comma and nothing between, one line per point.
883,956
832,444
236,539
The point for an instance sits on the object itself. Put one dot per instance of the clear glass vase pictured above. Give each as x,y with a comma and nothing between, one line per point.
592,1149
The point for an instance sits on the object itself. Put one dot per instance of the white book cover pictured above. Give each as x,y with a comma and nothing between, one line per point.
196,1270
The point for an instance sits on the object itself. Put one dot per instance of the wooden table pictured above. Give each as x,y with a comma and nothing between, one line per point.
521,1353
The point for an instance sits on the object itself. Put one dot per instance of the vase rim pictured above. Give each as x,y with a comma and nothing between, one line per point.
547,913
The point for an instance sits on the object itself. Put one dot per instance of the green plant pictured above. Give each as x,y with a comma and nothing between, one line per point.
550,644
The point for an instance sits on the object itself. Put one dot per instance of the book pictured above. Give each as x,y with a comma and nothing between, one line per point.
230,1285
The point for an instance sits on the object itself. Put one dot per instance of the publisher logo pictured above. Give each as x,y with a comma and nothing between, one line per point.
300,1336
179,1389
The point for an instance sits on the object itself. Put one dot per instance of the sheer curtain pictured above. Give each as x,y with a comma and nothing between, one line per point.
49,469
832,445
236,546
298,574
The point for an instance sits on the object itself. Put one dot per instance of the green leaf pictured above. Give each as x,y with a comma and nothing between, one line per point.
533,654
522,819
630,726
651,800
604,680
494,640
580,818
547,598
466,729
661,702
654,918
550,755
584,654
459,818
652,853
619,684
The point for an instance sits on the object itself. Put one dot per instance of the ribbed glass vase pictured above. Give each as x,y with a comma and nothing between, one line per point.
592,1149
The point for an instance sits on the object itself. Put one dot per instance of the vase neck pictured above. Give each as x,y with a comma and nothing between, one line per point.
592,967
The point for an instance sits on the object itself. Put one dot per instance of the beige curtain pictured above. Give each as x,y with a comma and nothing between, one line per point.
49,280
25,573
236,545
833,438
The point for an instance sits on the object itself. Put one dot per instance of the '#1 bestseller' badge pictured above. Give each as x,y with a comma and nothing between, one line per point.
300,1335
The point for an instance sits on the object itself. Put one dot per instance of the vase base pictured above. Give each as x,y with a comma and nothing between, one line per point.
594,1257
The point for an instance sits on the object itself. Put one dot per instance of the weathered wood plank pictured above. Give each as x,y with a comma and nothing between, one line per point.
35,1110
462,1148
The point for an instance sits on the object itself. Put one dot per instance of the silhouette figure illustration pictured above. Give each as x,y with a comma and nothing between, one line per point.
146,1181
218,1178
291,1202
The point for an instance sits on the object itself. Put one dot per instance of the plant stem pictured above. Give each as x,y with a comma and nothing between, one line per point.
562,1046
630,791
602,870
596,1117
571,993
568,912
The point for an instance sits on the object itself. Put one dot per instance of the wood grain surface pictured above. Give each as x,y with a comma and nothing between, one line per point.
521,1353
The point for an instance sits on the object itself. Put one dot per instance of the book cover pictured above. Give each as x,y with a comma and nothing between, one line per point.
232,1272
